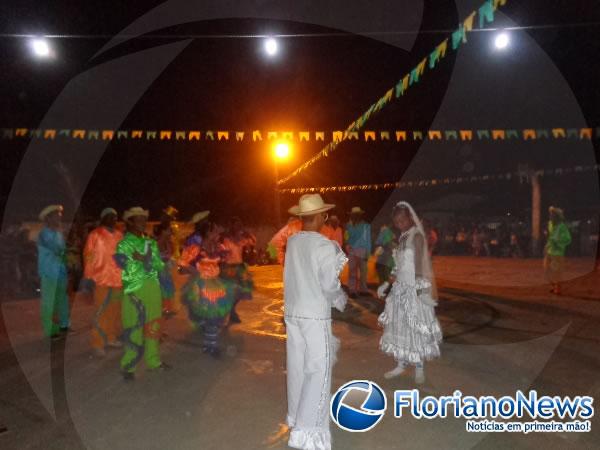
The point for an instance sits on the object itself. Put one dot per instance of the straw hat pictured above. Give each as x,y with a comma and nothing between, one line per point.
310,204
356,210
199,216
135,211
50,209
107,211
171,211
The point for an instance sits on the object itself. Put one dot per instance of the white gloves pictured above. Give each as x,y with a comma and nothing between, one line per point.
381,290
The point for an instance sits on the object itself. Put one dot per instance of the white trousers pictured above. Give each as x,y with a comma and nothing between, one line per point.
310,354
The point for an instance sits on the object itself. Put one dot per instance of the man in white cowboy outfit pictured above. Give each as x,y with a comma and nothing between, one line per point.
311,289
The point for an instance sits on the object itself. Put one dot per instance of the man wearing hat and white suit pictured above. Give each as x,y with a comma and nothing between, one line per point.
311,289
52,270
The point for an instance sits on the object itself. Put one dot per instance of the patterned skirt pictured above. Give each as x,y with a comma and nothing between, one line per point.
240,279
207,298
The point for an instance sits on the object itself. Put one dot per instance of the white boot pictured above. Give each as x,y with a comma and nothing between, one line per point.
419,375
395,372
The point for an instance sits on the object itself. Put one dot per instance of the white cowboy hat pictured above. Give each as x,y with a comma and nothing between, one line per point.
50,209
135,211
310,204
356,210
107,211
199,216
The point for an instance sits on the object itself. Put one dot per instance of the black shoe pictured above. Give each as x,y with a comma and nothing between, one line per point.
128,376
215,352
65,330
163,366
56,337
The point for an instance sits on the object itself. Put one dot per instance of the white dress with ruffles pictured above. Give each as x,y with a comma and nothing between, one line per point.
311,288
411,331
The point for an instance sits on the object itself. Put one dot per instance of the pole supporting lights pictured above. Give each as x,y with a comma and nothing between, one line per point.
281,152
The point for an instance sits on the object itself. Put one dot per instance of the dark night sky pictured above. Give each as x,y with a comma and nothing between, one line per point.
318,83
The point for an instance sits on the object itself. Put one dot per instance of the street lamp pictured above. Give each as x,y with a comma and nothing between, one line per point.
502,40
40,48
271,47
281,152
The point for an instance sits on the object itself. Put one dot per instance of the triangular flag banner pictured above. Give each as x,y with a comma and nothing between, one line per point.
486,13
417,72
458,37
438,52
468,23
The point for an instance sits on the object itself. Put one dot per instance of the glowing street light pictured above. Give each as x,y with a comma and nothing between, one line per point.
502,41
282,150
40,48
271,47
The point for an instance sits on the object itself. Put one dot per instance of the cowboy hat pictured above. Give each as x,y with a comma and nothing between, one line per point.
558,211
356,210
50,209
107,211
171,211
199,216
310,204
135,211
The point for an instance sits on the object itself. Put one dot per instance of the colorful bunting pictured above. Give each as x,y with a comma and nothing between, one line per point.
507,176
338,136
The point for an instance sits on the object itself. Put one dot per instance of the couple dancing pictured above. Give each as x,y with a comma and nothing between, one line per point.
311,288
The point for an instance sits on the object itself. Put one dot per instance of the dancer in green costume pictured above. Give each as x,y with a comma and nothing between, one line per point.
140,260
